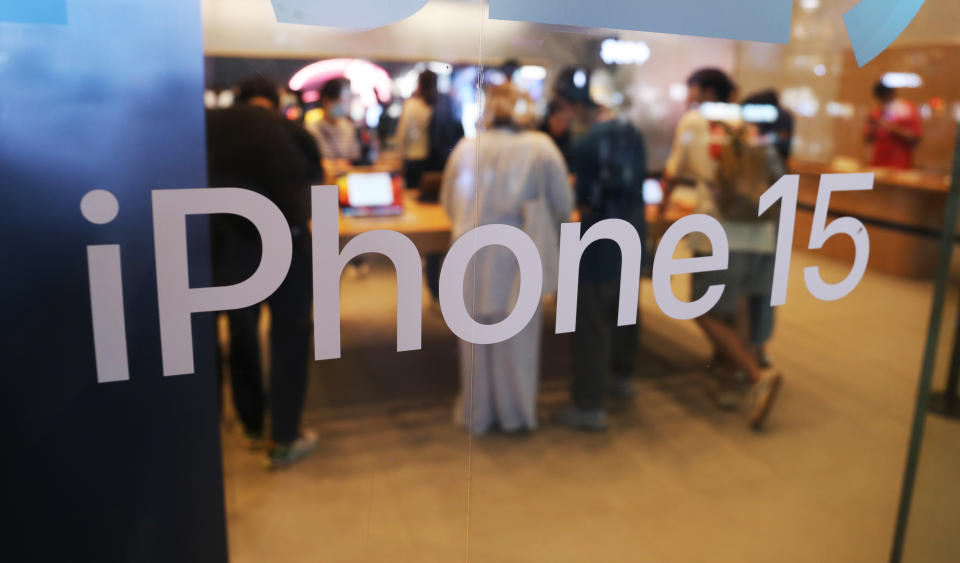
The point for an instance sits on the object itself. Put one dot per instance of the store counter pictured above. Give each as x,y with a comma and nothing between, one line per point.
426,224
903,215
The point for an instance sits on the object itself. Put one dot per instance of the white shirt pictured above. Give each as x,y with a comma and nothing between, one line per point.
690,160
413,138
514,168
337,139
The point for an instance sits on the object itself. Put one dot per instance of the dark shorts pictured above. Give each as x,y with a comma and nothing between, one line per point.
748,275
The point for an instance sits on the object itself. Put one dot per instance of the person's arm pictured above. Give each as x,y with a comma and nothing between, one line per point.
557,190
309,150
584,168
870,127
640,167
400,139
448,184
676,162
910,129
353,150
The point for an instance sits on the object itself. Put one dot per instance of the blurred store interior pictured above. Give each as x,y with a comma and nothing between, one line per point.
674,478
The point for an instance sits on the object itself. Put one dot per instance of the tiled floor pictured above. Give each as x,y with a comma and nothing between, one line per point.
675,480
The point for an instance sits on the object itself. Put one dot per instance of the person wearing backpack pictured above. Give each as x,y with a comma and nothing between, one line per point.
779,134
729,168
609,162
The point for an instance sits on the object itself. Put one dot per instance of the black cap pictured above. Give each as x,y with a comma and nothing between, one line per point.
257,87
573,85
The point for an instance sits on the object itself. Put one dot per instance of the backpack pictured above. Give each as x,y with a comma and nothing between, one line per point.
444,132
617,191
746,168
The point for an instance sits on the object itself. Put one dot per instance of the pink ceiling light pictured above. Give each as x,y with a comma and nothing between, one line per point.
367,80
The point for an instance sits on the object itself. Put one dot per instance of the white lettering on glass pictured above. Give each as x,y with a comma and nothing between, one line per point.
177,300
665,266
452,302
106,292
572,246
329,262
820,232
785,191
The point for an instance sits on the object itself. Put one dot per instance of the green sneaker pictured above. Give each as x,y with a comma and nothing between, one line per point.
284,455
762,396
583,420
620,387
254,441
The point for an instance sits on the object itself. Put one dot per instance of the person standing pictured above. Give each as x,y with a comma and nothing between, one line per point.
426,135
556,124
779,132
491,180
251,146
609,163
335,134
413,135
698,149
893,129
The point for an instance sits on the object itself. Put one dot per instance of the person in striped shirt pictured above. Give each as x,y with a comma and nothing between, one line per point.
335,133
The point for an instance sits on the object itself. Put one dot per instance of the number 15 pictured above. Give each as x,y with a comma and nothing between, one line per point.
786,190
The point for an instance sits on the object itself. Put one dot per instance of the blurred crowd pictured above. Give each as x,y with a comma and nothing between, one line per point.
578,161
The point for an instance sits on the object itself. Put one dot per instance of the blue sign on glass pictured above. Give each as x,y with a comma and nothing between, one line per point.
750,20
34,11
873,25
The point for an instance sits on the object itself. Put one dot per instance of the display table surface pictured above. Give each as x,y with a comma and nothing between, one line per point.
426,224
903,215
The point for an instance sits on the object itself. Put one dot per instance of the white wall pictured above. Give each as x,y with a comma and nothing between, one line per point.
444,30
458,31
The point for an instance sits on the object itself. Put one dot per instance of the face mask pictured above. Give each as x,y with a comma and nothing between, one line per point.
338,111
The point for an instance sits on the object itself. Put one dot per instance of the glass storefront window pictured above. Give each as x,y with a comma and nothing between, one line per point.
428,280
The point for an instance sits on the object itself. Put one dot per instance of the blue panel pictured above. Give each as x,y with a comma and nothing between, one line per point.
126,471
874,24
352,14
34,11
751,20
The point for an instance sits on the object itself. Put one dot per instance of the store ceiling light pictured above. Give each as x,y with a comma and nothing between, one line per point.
367,80
840,109
717,111
678,91
619,52
533,72
443,69
760,113
579,79
902,80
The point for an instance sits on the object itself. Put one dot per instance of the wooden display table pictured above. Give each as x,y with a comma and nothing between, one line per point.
426,224
903,214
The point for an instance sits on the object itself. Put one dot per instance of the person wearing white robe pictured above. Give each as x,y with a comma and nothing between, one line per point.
488,180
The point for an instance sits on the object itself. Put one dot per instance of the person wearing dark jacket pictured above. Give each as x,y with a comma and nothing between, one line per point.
609,162
251,146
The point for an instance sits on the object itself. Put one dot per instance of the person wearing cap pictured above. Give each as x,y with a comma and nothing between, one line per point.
697,146
609,162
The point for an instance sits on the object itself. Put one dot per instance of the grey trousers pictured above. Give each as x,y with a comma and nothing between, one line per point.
601,349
